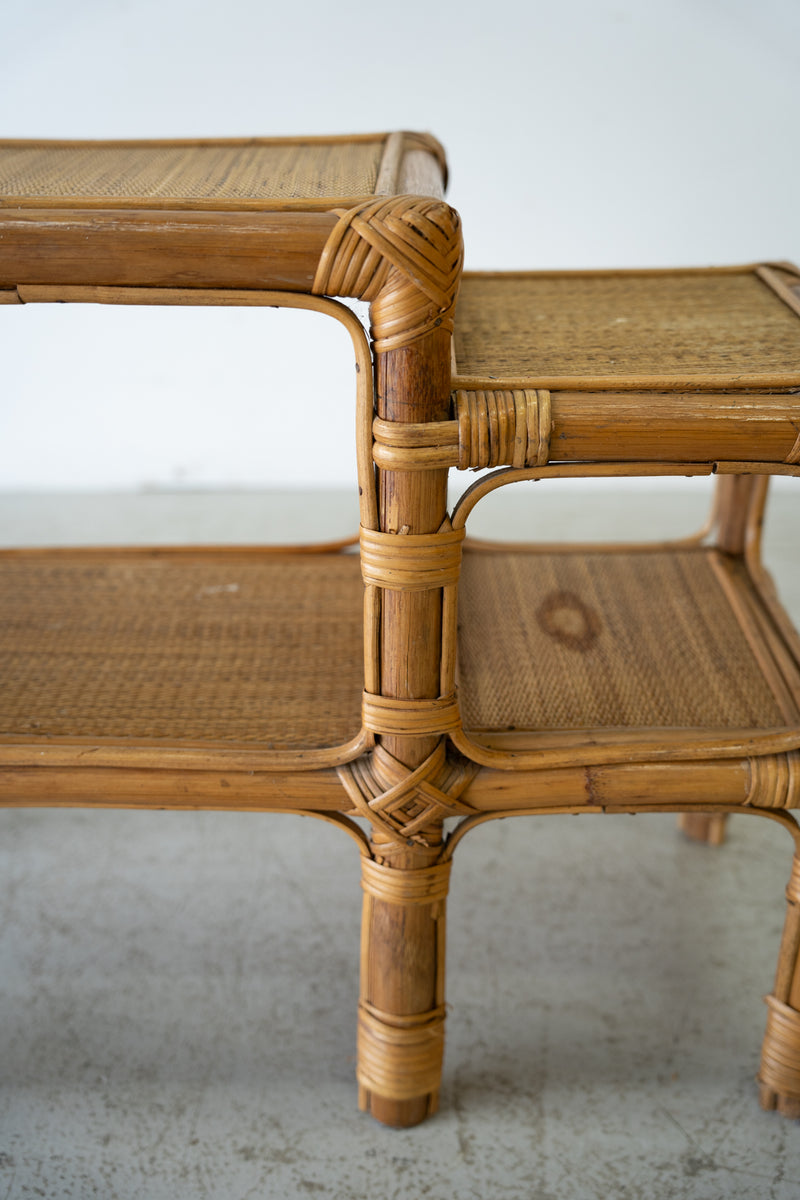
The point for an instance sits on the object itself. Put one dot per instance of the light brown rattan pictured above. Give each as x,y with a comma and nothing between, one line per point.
260,650
613,680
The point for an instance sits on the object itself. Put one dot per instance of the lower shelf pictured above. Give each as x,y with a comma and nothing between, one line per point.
184,647
617,645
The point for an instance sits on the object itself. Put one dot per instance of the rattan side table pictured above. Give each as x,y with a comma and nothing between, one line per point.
170,712
634,678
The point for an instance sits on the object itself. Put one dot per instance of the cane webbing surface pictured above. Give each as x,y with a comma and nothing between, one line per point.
616,325
557,641
263,650
257,170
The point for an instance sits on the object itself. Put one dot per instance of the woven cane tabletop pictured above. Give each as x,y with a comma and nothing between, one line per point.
255,650
252,173
608,641
665,329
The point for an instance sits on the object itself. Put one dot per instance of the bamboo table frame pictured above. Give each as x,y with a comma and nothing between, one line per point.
397,245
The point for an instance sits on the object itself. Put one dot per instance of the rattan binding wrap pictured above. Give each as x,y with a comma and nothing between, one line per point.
775,781
780,1054
491,428
400,1054
411,562
503,427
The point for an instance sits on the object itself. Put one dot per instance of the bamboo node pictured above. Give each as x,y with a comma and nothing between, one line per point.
411,562
503,428
775,780
404,255
403,803
780,1054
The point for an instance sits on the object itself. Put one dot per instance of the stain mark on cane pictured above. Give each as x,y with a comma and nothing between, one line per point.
566,618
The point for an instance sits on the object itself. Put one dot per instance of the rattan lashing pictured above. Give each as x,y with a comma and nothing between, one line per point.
489,429
588,679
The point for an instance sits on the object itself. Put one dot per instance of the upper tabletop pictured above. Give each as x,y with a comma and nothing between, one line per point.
309,173
253,213
725,327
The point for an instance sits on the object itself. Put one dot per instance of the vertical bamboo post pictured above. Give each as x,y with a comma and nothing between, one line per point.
402,943
404,255
740,504
740,510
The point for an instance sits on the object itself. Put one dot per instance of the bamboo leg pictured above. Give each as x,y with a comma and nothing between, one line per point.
704,827
739,512
401,1013
779,1076
401,1006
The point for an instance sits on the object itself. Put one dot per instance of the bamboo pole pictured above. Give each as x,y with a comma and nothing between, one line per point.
403,944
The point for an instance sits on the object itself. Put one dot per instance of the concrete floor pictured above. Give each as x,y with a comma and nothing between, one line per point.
178,990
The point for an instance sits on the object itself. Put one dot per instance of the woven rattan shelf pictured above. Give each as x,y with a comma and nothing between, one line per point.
612,648
179,649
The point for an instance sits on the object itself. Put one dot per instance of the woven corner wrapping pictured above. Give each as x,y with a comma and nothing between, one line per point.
404,255
402,803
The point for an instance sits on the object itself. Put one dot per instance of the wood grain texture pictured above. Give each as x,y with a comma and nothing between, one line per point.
154,249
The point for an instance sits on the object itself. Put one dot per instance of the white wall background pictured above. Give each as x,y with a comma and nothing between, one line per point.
587,133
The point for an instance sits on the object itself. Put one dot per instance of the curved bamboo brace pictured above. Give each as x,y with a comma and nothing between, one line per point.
601,751
249,298
466,826
490,483
340,821
89,753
